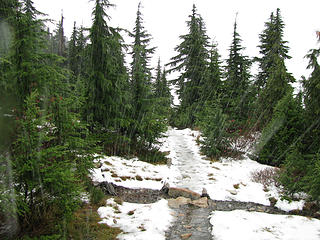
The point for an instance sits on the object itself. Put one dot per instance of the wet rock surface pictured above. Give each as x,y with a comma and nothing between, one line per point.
191,223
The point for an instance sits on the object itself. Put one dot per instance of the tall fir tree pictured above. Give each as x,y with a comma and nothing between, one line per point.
162,92
192,61
107,89
99,86
273,80
59,39
28,45
73,56
237,94
213,87
145,126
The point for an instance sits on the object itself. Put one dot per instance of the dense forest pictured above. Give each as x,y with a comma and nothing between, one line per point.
62,101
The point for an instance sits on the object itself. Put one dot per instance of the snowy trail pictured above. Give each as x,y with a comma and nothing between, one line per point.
187,160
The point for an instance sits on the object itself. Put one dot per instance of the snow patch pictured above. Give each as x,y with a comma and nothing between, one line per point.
131,173
240,224
138,221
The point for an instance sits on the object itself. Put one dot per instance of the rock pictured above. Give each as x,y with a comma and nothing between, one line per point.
212,204
317,215
205,193
295,212
187,226
233,192
165,187
176,203
186,236
310,207
202,202
182,192
169,162
98,164
273,201
108,188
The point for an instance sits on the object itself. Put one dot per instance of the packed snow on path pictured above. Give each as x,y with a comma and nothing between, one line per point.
243,225
138,221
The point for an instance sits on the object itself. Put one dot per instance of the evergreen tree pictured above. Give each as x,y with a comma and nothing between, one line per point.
213,87
28,44
312,100
47,184
145,125
162,92
73,56
214,124
59,39
283,132
273,79
192,62
237,83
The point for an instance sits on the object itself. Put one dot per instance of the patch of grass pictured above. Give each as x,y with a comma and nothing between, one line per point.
130,213
114,175
236,186
107,163
85,226
97,197
267,229
125,178
142,228
116,209
139,178
118,200
154,179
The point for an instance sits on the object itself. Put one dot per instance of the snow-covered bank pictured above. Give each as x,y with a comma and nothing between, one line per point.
243,225
132,173
138,221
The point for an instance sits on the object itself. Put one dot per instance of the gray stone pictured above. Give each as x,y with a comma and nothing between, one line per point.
233,192
165,187
108,188
205,193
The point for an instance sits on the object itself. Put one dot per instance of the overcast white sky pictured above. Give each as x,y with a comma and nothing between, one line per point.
165,20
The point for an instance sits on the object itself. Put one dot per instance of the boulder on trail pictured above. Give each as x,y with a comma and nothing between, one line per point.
182,192
202,202
176,203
